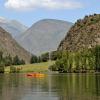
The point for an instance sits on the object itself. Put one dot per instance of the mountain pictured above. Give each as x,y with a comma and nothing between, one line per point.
44,36
9,46
84,34
12,26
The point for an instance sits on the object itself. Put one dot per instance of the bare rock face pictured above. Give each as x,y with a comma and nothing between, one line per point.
9,46
84,34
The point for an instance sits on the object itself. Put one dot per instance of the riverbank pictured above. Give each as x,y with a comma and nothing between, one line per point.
37,67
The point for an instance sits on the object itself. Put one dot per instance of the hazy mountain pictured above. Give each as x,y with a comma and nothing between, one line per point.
43,36
9,46
84,34
12,26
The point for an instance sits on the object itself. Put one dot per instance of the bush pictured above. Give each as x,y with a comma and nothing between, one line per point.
44,57
14,69
2,69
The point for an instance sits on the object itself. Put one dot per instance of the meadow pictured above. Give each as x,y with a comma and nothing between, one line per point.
37,67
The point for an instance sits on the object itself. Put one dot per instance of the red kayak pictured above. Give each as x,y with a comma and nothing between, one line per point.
36,75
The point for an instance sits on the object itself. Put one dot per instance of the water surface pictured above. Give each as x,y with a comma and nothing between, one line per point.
52,87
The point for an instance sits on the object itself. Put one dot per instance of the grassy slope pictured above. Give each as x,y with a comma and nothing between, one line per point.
39,67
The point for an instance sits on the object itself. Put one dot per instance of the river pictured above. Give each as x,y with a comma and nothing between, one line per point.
51,87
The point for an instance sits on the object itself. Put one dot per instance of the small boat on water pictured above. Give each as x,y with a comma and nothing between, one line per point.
36,75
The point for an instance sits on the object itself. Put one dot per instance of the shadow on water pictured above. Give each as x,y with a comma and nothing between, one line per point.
52,87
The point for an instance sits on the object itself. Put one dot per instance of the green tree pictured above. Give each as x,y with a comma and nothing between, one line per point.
2,64
22,62
45,57
8,60
97,58
1,55
16,60
34,59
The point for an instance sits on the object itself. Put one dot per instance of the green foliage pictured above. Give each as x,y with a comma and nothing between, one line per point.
34,59
8,60
1,55
17,61
2,69
53,67
80,61
54,55
44,57
14,69
97,58
22,62
2,64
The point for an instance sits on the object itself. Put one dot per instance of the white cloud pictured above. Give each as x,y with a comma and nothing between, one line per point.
48,4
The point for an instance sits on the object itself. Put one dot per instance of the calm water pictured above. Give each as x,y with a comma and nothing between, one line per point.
53,87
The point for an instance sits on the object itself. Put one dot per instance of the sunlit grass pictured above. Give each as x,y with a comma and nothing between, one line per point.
38,67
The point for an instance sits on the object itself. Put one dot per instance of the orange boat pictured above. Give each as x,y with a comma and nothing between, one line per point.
36,75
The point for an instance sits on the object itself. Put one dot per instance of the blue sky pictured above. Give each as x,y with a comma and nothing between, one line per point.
30,11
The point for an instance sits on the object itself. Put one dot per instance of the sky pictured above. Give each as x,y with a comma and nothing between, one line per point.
31,11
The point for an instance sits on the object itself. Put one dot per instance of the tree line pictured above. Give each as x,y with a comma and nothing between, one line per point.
81,61
54,55
9,61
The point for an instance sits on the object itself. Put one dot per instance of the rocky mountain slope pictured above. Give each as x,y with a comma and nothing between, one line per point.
84,34
44,36
12,26
9,46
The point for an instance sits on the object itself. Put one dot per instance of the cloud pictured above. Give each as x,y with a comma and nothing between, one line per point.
47,4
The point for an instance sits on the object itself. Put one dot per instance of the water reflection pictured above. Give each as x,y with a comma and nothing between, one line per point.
53,87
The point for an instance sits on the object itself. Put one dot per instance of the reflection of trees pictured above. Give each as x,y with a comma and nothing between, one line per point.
17,86
77,86
10,87
1,84
62,86
97,84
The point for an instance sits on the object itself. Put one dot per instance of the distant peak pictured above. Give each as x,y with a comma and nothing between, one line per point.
3,20
51,21
15,21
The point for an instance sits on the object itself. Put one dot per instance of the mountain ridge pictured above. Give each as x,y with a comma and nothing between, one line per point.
9,46
14,27
85,33
44,35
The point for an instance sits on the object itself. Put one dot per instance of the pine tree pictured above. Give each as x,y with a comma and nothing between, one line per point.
34,59
16,60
